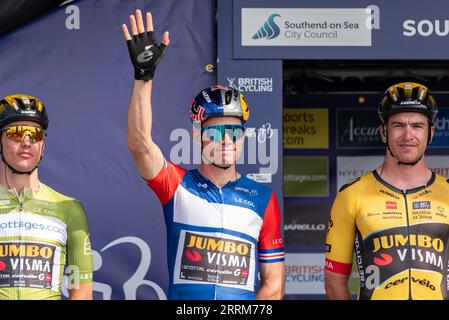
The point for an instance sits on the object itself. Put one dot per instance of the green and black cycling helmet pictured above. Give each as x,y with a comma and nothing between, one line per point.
19,107
407,97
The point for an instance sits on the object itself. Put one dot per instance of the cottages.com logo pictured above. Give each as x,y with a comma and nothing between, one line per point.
269,30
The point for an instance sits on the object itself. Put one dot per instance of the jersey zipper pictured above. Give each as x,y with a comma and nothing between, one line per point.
19,198
409,250
220,191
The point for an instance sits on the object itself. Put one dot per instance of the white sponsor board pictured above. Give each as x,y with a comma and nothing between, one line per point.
439,164
304,273
349,168
28,224
306,27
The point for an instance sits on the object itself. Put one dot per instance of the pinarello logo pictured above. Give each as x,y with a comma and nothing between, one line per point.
2,266
48,277
383,260
244,273
193,255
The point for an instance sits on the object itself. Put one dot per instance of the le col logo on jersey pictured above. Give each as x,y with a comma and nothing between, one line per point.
244,201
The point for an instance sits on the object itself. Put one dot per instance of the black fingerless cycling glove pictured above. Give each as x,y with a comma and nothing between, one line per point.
145,55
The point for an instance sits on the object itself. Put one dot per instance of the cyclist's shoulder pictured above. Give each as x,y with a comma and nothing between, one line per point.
52,195
358,184
441,181
54,198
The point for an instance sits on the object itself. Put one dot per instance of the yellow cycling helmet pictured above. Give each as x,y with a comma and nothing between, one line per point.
407,97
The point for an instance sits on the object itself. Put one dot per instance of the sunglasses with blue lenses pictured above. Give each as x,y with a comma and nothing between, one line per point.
217,132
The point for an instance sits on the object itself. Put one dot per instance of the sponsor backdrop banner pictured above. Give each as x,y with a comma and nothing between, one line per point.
306,129
358,128
349,168
355,149
261,83
328,140
304,273
439,164
441,136
347,29
76,60
305,224
306,176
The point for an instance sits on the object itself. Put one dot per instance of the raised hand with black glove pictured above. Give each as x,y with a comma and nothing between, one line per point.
144,51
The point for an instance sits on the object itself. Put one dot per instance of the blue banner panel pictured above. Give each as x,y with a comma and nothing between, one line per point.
347,29
441,136
358,129
76,61
261,83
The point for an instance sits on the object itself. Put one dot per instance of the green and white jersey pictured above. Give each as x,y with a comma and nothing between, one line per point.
41,232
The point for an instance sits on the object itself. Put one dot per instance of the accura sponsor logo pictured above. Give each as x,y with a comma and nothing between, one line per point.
358,131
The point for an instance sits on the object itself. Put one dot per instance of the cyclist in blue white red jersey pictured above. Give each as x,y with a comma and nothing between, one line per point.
222,228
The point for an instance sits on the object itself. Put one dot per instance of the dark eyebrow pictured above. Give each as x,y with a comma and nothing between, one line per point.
397,122
403,123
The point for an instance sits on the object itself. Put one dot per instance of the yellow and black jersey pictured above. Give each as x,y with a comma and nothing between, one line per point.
399,238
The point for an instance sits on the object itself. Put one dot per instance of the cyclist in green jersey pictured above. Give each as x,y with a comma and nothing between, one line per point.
41,230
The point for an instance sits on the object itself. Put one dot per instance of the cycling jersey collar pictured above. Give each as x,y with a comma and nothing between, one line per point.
408,191
203,180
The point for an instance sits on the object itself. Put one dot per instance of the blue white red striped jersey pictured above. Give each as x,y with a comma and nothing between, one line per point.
216,236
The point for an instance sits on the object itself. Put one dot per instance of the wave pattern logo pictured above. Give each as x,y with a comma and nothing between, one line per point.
269,30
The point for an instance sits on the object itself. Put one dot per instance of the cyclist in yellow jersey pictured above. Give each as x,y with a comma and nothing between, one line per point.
395,219
41,230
